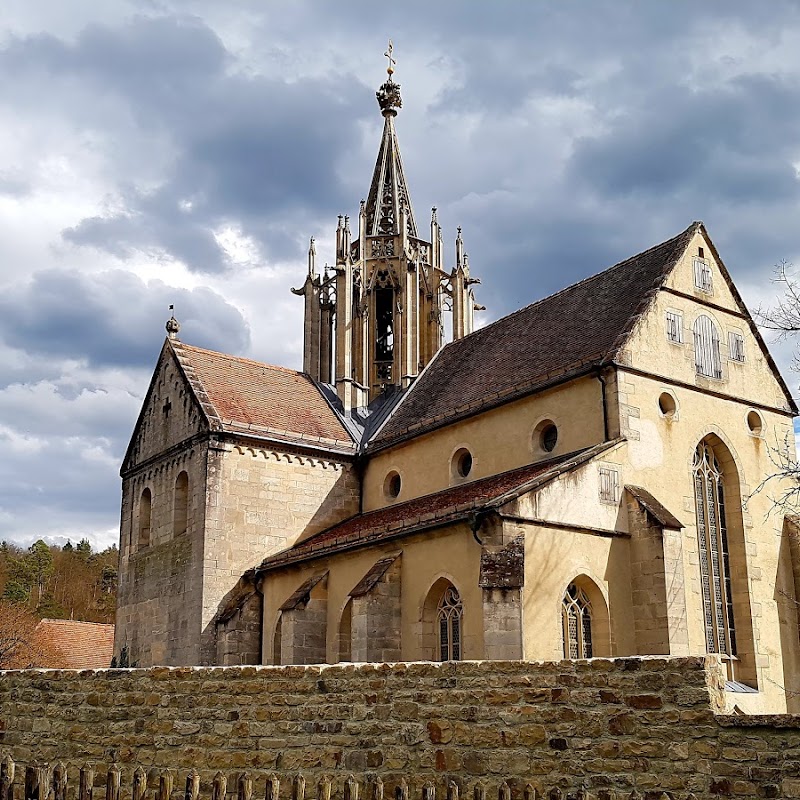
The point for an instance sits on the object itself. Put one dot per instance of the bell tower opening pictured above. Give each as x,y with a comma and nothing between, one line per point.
384,333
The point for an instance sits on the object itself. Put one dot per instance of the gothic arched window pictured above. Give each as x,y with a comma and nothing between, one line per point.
449,616
712,542
707,360
576,623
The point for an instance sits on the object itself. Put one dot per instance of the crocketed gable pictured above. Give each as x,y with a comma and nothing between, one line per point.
568,333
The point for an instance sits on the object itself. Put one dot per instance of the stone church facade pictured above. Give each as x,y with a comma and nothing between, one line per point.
576,479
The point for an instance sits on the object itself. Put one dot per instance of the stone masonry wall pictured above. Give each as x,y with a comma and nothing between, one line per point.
260,501
625,728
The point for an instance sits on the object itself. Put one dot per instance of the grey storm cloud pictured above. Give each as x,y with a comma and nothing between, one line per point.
253,150
562,137
112,318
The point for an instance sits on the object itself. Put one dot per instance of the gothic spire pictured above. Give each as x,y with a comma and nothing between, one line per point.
388,193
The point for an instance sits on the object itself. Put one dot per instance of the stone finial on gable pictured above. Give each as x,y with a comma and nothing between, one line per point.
173,326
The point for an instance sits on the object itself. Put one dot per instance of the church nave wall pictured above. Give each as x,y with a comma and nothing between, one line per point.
498,440
398,601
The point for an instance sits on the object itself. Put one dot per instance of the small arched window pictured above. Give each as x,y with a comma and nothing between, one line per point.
346,633
276,641
576,623
180,506
707,359
449,617
145,506
712,541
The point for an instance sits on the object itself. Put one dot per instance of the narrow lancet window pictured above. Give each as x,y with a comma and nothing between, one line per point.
449,618
145,503
712,542
384,333
576,623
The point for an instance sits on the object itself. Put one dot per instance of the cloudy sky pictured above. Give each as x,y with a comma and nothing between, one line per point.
182,151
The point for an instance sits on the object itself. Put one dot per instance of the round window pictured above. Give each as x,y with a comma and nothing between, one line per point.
549,438
462,463
667,405
754,423
392,485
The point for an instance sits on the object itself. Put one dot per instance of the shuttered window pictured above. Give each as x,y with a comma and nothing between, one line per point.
735,346
706,348
702,275
609,485
674,327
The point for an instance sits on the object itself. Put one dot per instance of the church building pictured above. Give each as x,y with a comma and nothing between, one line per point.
579,478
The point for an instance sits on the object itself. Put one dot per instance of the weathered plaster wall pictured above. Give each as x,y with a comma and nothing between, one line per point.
450,553
505,730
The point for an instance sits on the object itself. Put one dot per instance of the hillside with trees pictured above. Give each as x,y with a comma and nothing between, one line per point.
69,582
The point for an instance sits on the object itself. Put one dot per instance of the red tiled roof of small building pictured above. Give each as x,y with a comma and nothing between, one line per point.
449,505
567,333
83,645
245,396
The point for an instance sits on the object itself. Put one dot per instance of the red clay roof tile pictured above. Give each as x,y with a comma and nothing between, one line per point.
261,399
84,645
448,505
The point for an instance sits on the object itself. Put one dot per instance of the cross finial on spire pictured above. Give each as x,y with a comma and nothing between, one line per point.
392,62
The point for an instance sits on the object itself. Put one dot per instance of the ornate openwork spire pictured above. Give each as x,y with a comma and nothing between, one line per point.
388,198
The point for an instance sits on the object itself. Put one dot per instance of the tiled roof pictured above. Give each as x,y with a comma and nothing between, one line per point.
243,396
449,505
568,333
83,645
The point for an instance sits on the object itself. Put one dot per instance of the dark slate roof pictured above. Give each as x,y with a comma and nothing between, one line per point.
568,333
656,510
433,510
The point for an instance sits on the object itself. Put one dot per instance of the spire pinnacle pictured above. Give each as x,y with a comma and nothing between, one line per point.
312,254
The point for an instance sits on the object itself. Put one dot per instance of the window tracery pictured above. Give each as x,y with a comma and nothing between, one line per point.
449,616
712,540
576,623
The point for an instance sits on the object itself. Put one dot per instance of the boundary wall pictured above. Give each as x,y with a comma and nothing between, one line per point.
606,729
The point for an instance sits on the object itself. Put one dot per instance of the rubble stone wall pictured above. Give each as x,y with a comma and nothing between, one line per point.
624,728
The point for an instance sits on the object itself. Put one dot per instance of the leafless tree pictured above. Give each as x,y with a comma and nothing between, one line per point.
784,318
22,644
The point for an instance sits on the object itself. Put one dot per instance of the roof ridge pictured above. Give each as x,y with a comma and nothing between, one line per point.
582,281
243,359
78,622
